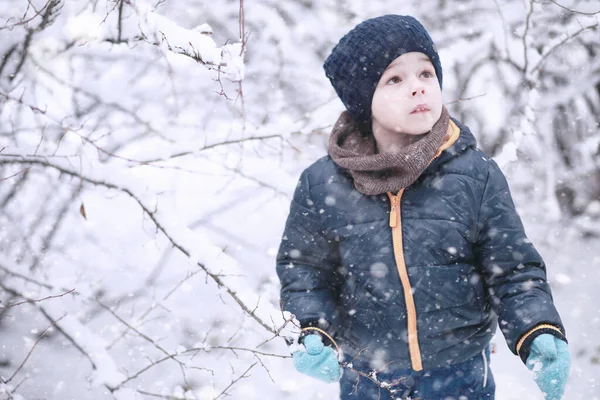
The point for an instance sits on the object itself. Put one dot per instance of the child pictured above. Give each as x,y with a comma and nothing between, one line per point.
403,246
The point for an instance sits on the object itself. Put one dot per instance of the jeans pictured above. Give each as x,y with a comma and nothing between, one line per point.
468,380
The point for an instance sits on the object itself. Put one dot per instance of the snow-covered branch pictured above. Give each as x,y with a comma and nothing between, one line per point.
210,259
195,43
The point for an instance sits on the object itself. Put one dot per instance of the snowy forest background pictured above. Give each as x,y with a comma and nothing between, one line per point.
149,151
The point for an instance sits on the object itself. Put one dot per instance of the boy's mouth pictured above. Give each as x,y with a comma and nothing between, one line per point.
420,108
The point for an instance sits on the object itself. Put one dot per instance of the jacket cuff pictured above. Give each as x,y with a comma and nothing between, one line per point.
524,344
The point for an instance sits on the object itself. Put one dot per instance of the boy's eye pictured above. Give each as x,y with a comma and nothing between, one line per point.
394,80
427,74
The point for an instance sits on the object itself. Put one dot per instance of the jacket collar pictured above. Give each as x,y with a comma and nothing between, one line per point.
465,141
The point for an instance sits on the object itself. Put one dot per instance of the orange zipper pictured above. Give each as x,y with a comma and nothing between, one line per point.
396,225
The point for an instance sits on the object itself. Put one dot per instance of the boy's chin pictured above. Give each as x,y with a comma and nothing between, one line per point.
416,129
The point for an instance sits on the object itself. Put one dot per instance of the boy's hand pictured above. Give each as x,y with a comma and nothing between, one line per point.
550,361
318,361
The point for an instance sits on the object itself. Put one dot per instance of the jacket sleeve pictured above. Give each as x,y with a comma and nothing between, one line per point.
513,270
307,262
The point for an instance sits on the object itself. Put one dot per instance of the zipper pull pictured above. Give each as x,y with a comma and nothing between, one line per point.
394,212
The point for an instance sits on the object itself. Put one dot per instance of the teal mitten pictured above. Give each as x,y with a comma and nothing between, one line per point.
550,361
318,361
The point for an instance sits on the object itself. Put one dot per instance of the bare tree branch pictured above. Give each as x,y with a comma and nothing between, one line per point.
49,237
119,26
54,323
51,10
142,335
562,42
25,278
235,380
527,25
574,11
195,350
215,277
158,396
467,99
38,300
111,104
13,175
212,146
25,21
33,347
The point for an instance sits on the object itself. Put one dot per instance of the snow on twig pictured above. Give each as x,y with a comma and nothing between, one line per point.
222,268
195,43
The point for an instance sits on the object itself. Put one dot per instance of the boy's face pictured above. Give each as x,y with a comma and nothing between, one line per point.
408,97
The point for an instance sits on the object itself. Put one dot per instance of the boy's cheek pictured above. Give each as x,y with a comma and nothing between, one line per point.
387,111
434,100
384,102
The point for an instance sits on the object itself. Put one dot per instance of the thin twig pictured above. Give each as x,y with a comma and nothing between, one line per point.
49,3
557,45
38,300
467,99
33,347
111,104
574,11
212,146
160,396
277,332
179,284
152,214
527,20
8,177
265,367
240,83
51,10
120,22
127,324
239,349
195,350
504,26
58,328
28,279
236,380
141,162
242,23
35,109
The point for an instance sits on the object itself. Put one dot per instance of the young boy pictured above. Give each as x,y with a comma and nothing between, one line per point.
403,246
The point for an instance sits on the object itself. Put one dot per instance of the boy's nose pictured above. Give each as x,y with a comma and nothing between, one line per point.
419,90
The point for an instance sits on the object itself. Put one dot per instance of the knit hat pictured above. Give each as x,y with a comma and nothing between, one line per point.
357,62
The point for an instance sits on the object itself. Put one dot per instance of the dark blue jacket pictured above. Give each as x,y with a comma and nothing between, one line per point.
468,260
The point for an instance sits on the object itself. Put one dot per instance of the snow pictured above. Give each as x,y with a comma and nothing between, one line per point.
127,394
85,26
226,206
106,371
507,155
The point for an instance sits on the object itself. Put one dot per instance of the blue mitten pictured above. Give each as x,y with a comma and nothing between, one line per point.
550,361
318,361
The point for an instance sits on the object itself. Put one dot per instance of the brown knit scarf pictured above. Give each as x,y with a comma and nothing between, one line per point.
376,173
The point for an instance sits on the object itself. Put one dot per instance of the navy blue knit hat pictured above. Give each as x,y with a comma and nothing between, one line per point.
357,62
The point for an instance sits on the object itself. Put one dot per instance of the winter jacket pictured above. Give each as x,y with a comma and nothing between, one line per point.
420,277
